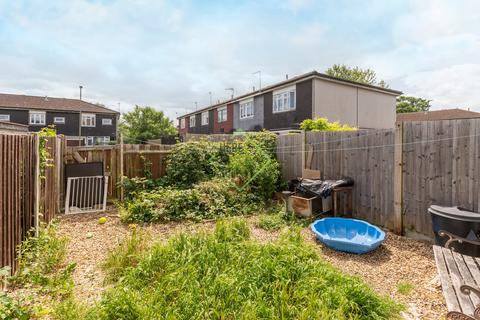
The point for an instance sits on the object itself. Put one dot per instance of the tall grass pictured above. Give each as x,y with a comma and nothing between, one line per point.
224,275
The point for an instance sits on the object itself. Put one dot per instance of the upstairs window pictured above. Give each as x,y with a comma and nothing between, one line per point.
222,114
37,118
88,120
106,122
182,123
284,100
4,117
59,120
192,121
246,109
204,118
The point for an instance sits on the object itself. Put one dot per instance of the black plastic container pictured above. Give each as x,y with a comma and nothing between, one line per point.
460,222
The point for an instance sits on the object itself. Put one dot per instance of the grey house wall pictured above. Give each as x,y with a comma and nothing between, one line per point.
16,116
250,124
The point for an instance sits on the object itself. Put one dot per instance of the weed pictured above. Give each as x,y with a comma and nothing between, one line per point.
12,309
405,288
224,275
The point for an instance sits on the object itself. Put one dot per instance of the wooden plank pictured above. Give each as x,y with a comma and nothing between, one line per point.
398,180
457,280
447,285
467,277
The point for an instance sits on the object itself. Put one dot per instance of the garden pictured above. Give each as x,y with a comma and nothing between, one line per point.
208,241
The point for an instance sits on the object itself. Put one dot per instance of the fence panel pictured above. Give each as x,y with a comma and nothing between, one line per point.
441,166
365,156
17,188
290,155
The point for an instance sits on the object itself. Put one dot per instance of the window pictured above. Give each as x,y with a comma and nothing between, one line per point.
59,120
222,114
182,123
192,121
106,122
88,120
246,109
89,141
4,117
37,118
204,118
103,140
284,100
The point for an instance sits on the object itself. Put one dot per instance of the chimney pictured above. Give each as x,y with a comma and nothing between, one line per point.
46,98
286,76
253,89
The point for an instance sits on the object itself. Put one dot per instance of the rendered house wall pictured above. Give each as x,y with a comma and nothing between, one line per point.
249,124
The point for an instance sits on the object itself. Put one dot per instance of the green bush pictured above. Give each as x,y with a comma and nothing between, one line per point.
195,161
38,257
11,309
322,124
256,168
224,275
219,197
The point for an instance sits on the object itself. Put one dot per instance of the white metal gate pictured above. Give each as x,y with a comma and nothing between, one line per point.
86,194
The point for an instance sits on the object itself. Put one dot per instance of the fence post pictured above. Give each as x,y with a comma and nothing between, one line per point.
398,180
37,184
121,167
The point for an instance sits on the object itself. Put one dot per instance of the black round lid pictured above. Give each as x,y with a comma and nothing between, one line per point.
457,213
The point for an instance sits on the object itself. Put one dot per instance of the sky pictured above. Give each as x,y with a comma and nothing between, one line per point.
171,54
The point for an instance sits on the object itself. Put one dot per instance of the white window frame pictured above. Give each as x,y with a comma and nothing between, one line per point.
37,118
87,116
182,123
282,100
5,117
107,122
222,114
205,118
59,120
247,109
192,121
105,140
89,138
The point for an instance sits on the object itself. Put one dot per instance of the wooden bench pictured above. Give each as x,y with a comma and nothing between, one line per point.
460,278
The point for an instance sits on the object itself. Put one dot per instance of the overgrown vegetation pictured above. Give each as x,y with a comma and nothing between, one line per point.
277,217
322,124
207,180
405,288
224,275
42,271
44,153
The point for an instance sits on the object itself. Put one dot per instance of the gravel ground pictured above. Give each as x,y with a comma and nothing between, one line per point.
398,260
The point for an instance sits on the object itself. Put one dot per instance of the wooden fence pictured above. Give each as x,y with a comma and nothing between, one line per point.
398,173
136,160
25,197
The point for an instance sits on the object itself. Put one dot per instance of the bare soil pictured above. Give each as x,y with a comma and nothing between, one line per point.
398,260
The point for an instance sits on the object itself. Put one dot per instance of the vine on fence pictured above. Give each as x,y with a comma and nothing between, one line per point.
45,157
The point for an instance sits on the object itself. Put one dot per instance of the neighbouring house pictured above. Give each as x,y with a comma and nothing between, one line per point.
445,114
81,122
286,104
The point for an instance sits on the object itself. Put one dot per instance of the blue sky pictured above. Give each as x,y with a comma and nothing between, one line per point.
169,54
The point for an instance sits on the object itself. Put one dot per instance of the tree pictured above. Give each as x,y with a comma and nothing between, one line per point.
412,104
356,74
145,123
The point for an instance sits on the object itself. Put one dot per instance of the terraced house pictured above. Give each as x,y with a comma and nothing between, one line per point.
286,104
81,122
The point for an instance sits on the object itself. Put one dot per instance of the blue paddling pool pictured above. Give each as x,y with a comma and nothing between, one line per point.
349,235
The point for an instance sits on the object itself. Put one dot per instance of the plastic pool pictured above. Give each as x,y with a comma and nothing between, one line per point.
349,235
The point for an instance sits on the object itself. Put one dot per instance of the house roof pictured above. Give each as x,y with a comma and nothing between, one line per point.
446,114
305,76
17,101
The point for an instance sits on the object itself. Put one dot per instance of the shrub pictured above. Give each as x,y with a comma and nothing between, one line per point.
11,309
39,256
256,168
195,161
211,199
322,124
224,275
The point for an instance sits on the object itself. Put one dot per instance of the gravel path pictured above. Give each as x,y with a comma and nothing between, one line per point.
398,260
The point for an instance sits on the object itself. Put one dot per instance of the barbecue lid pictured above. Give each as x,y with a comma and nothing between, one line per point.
456,213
